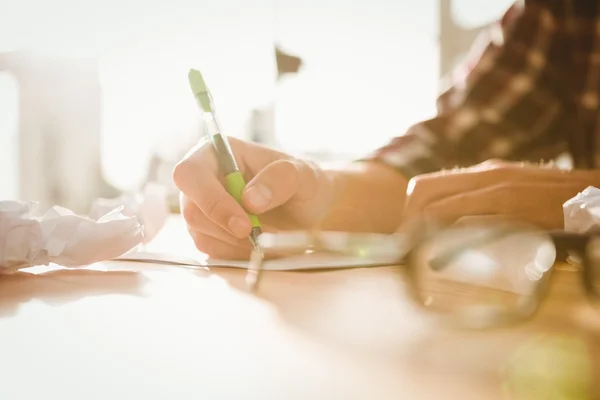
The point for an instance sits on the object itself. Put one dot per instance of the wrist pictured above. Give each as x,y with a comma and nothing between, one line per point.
366,197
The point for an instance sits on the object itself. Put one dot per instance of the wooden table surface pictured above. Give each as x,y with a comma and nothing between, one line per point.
122,330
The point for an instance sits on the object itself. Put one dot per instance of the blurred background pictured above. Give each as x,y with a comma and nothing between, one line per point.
94,98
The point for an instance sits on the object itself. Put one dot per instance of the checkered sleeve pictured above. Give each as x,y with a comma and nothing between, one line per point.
505,106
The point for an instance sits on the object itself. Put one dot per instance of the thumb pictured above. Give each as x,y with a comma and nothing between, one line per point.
278,183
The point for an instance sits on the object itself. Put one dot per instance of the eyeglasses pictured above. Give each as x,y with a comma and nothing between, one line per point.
475,277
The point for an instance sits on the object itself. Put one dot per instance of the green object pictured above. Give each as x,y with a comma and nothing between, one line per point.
235,186
200,90
235,183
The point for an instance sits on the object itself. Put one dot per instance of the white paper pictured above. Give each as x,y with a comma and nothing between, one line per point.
175,246
299,262
149,207
582,212
59,236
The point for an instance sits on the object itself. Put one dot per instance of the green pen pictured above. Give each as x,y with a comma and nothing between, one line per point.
233,177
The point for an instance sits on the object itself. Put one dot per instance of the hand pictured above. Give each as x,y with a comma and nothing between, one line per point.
521,192
286,193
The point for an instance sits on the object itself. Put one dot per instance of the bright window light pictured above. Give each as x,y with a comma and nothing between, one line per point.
370,68
9,125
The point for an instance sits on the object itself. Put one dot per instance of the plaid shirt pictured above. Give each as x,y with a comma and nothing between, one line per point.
531,92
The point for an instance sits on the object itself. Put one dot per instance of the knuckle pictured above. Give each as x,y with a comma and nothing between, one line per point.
203,149
494,162
180,172
201,243
285,169
212,207
497,172
305,177
499,164
501,168
189,165
189,212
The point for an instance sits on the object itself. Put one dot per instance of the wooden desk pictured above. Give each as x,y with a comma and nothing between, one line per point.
145,331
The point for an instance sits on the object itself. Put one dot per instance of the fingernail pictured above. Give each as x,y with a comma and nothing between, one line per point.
259,196
239,226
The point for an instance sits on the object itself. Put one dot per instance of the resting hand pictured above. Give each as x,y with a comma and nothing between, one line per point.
523,192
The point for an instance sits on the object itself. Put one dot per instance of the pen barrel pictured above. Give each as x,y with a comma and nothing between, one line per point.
235,186
225,156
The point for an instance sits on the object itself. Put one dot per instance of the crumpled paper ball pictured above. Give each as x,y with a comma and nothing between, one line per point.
150,207
582,212
61,237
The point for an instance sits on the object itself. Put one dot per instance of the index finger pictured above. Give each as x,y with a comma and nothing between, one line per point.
196,176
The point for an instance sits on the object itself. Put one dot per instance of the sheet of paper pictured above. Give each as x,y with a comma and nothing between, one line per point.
300,262
175,246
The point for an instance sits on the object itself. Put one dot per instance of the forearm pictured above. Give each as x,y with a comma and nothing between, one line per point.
369,197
